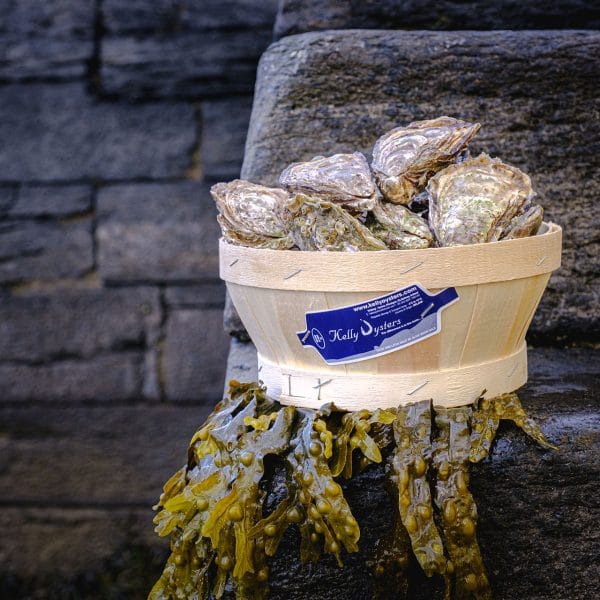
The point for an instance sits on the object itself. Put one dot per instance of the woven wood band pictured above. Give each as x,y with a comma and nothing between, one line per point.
447,388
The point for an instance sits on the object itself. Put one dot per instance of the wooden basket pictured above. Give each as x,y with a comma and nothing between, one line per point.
481,345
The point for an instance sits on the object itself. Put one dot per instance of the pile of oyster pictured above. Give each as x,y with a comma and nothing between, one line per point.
422,189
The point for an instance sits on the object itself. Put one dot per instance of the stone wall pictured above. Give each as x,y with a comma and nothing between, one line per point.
115,118
300,16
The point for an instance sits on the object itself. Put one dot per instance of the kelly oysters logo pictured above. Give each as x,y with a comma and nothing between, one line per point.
377,326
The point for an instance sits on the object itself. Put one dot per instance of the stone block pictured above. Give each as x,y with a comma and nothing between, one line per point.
94,455
51,39
194,355
116,377
537,517
209,63
88,552
241,362
67,324
300,16
8,198
55,201
47,250
205,295
59,133
321,93
224,128
161,16
157,232
78,483
184,49
232,323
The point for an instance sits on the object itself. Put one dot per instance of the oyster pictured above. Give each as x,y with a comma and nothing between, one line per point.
249,214
476,200
342,178
406,157
321,225
524,224
399,228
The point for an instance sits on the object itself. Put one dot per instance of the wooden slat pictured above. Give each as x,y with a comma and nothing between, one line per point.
392,269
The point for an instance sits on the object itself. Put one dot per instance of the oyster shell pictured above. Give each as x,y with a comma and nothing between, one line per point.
250,214
317,224
398,227
476,200
406,157
342,178
525,224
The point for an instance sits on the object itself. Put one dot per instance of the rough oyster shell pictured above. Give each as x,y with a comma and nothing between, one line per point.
406,157
342,178
475,201
250,214
525,224
398,227
317,224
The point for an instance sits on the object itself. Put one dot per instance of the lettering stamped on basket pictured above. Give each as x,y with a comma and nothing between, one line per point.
377,326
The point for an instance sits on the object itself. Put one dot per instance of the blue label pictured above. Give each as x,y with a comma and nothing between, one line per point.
377,326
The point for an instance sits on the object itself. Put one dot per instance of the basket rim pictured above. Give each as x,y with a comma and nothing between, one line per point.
386,270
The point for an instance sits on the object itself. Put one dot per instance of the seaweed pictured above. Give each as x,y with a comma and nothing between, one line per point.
455,503
213,508
487,417
410,465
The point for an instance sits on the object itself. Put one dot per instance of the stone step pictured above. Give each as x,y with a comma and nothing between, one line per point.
315,15
533,91
537,508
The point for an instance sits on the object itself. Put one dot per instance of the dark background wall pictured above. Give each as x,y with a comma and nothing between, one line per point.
115,119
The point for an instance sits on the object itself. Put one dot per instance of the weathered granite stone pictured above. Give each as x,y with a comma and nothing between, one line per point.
115,377
8,198
194,355
232,323
59,133
537,508
172,16
44,201
101,454
199,64
68,324
157,232
47,250
189,49
205,295
76,540
299,16
321,93
77,486
241,363
224,128
50,39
